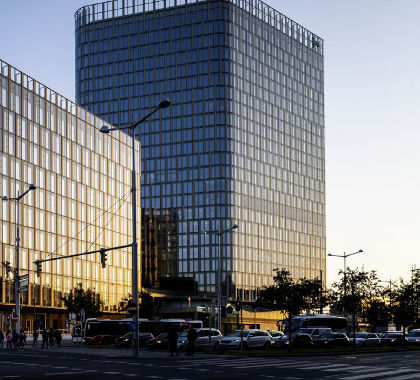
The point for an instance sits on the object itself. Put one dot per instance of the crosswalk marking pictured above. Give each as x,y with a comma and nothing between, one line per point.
382,375
277,364
406,377
324,366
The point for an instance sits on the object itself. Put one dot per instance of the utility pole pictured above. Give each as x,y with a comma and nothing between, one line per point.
16,270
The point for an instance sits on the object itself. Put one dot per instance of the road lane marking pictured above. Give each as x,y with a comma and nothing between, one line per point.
381,375
404,377
69,372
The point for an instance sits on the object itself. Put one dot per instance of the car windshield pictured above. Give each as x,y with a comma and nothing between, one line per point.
238,333
128,335
163,335
360,335
392,335
414,333
183,334
305,331
274,333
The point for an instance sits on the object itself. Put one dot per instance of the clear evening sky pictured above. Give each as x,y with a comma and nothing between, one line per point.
372,90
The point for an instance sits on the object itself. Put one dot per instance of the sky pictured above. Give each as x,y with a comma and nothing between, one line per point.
372,88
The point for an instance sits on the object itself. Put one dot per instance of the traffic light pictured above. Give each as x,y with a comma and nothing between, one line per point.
78,317
238,305
103,258
38,268
7,267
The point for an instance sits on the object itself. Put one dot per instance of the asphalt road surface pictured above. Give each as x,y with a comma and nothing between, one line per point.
64,365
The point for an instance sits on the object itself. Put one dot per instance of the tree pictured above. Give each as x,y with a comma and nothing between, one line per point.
148,306
78,299
291,296
406,302
356,295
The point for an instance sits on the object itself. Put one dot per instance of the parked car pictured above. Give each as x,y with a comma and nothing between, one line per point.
251,339
275,336
315,332
334,340
413,337
300,340
127,339
202,341
394,339
160,342
364,339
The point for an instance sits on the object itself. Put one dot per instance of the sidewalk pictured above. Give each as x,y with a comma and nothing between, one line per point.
117,352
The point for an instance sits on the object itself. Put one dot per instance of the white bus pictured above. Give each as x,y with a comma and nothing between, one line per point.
338,324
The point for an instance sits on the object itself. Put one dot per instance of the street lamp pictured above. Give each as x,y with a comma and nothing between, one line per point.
344,256
16,271
105,129
219,234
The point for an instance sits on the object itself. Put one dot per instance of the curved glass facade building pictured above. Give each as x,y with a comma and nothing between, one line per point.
243,141
82,201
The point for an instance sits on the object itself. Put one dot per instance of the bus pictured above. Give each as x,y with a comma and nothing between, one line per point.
337,324
106,331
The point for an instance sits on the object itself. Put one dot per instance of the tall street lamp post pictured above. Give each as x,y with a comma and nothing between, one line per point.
16,271
135,286
219,233
344,256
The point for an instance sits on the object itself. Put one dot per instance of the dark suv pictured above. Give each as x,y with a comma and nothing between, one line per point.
334,340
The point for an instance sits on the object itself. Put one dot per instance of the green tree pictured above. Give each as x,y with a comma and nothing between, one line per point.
406,302
293,297
79,298
148,306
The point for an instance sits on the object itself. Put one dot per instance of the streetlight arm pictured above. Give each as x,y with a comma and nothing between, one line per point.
354,253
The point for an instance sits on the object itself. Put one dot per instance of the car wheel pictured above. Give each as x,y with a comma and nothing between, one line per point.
244,345
266,346
364,344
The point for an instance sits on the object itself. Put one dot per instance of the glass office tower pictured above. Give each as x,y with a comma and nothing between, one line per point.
82,201
243,141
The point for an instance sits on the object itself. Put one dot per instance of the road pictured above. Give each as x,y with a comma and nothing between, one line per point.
63,364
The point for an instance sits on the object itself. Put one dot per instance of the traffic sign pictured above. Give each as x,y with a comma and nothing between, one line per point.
23,289
23,283
24,277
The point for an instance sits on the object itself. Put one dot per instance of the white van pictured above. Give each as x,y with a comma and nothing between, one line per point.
315,332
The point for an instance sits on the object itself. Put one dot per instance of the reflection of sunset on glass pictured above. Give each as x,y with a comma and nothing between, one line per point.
371,111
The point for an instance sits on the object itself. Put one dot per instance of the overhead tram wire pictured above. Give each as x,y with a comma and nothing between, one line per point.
91,223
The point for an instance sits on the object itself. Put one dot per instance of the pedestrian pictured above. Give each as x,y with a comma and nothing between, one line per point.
9,338
15,338
24,337
58,337
1,338
191,337
21,341
35,339
51,338
44,339
172,341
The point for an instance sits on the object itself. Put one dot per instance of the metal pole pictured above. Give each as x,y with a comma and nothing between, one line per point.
134,249
17,267
320,300
219,296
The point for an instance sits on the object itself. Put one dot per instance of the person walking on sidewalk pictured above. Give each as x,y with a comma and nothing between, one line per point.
172,341
1,338
15,338
191,337
44,339
35,339
9,338
21,339
58,337
51,338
